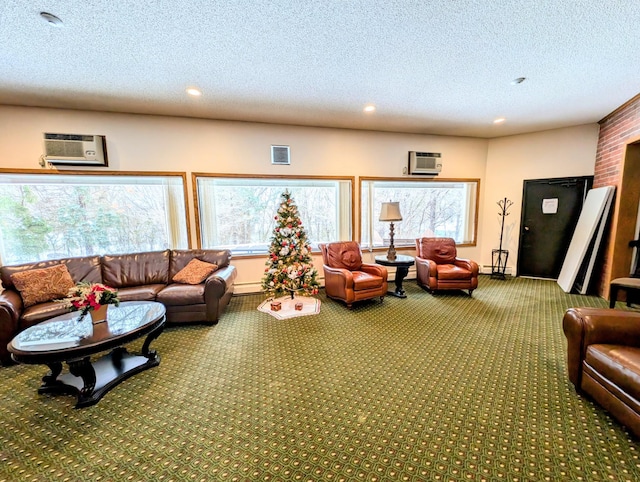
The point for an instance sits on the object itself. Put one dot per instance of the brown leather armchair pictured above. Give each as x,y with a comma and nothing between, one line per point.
347,278
439,268
603,349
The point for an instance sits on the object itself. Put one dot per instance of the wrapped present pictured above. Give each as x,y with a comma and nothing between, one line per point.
298,306
276,306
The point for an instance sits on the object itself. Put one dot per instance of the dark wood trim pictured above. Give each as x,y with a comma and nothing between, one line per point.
275,176
418,179
623,227
86,172
622,107
196,208
195,175
186,209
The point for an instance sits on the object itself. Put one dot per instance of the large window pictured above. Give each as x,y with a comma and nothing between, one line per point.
237,213
428,207
48,216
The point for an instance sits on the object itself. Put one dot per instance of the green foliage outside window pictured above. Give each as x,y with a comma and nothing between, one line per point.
54,216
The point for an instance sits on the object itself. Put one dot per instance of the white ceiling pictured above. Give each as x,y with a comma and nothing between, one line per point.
435,67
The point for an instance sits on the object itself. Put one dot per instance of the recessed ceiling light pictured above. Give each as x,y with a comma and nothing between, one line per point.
51,19
194,92
369,108
499,120
519,80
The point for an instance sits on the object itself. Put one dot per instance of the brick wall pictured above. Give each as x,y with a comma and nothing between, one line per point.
616,130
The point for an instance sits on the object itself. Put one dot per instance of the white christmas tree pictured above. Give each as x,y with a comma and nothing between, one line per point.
289,267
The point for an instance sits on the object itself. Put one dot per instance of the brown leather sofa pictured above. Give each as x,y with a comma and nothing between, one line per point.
439,268
347,278
603,350
137,277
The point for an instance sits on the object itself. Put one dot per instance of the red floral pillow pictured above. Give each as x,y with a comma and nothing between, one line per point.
45,284
195,272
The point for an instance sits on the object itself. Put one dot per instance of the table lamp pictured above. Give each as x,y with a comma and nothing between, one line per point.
391,212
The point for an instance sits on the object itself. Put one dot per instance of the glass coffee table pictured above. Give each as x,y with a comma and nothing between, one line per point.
65,339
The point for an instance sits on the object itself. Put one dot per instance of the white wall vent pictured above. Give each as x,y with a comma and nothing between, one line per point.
280,155
75,149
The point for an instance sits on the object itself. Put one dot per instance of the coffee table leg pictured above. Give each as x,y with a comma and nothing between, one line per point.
51,383
401,273
50,380
151,354
117,354
84,369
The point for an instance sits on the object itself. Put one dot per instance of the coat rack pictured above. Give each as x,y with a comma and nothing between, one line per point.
500,256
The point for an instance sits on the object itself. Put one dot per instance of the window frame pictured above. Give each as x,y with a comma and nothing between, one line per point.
474,242
196,206
103,173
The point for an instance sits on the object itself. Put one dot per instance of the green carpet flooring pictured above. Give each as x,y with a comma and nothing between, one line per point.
441,387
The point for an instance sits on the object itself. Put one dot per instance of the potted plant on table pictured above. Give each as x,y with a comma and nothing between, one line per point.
92,298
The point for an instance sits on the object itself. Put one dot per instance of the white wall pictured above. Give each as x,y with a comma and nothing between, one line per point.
157,143
511,160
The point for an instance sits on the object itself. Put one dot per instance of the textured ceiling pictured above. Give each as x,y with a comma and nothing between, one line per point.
436,67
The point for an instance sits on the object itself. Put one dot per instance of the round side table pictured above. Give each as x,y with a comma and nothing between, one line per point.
402,263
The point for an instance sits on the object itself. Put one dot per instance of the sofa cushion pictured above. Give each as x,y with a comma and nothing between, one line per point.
452,272
85,268
365,281
187,314
617,363
41,312
440,250
181,257
195,272
181,294
345,255
46,284
136,269
140,293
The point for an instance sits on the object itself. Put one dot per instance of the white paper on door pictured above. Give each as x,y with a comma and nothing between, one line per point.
550,206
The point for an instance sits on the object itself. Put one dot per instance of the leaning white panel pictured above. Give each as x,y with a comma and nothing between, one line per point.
590,217
596,244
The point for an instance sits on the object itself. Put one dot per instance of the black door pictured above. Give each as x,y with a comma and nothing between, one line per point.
550,212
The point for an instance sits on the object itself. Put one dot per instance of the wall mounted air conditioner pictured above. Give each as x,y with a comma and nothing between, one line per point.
425,163
75,150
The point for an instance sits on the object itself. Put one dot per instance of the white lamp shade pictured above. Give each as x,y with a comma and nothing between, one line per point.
390,212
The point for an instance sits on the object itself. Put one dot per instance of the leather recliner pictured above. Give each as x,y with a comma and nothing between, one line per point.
347,278
439,268
603,350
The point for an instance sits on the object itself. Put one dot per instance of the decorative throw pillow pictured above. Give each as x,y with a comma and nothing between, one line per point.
45,284
195,272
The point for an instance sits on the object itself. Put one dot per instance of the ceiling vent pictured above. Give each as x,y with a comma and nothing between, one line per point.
280,155
75,150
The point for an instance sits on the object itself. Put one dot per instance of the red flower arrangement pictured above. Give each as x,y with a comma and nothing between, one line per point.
86,297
